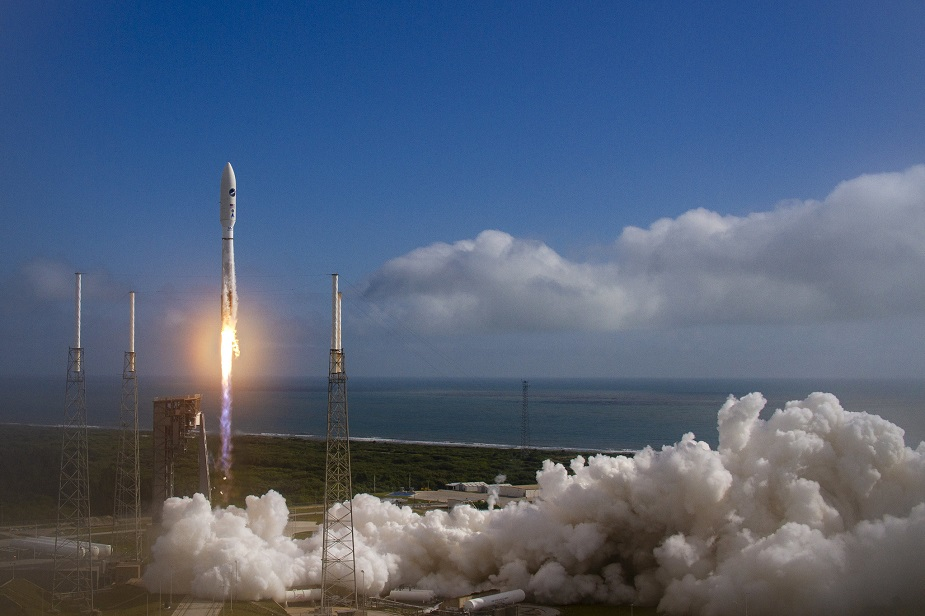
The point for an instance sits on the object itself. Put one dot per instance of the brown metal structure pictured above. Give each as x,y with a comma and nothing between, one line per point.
176,422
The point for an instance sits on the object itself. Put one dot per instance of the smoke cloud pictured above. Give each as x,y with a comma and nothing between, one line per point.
814,509
859,253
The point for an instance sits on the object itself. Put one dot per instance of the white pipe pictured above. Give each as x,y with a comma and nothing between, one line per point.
335,325
131,322
103,549
304,594
340,340
68,547
77,321
131,332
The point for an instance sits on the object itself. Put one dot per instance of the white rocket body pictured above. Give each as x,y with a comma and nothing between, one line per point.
227,202
228,215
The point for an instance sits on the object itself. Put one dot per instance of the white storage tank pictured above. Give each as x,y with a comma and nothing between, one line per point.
66,547
297,595
492,601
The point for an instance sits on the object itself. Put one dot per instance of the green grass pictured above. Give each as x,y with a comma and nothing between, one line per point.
23,597
31,458
294,467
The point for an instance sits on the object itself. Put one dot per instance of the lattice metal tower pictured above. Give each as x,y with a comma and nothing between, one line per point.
127,496
176,422
73,574
524,420
338,563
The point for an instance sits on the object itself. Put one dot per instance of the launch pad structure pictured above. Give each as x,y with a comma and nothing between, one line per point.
73,564
338,562
127,501
524,419
176,422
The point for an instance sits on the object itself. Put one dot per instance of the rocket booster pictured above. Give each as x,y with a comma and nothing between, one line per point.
229,343
227,202
228,215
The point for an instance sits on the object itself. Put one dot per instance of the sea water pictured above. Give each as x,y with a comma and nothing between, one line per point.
583,414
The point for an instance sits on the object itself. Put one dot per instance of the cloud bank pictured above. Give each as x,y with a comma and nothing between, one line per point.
37,314
814,510
859,253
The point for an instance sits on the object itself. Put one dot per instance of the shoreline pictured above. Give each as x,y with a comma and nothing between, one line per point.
292,465
393,441
376,439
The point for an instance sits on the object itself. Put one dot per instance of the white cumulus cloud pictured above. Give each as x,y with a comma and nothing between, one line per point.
859,253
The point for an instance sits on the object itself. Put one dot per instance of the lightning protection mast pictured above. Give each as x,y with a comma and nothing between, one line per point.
524,421
127,494
338,563
73,575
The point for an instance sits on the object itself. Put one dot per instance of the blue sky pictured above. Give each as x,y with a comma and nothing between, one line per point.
516,189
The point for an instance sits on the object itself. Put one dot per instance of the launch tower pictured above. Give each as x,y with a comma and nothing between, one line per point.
338,563
127,495
176,422
73,574
524,420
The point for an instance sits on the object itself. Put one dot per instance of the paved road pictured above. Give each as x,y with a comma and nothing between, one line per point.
300,526
199,607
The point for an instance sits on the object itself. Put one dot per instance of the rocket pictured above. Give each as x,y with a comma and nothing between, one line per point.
227,201
227,216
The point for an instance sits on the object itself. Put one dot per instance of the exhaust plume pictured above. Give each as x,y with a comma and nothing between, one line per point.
814,509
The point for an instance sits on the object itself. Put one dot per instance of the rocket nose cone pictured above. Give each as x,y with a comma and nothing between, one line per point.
228,174
227,197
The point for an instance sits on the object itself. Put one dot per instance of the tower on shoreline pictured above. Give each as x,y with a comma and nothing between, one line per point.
524,420
127,505
73,573
338,563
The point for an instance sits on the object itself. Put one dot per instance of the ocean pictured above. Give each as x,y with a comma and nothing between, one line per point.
582,414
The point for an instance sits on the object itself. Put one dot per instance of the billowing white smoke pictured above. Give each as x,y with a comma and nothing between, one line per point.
493,491
813,510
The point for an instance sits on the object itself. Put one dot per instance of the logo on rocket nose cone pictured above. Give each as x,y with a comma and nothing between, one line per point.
231,192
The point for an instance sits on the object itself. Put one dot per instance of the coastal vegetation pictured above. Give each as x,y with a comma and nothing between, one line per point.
30,457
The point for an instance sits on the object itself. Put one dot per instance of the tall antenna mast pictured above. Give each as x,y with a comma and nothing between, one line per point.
128,496
524,420
338,563
73,575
